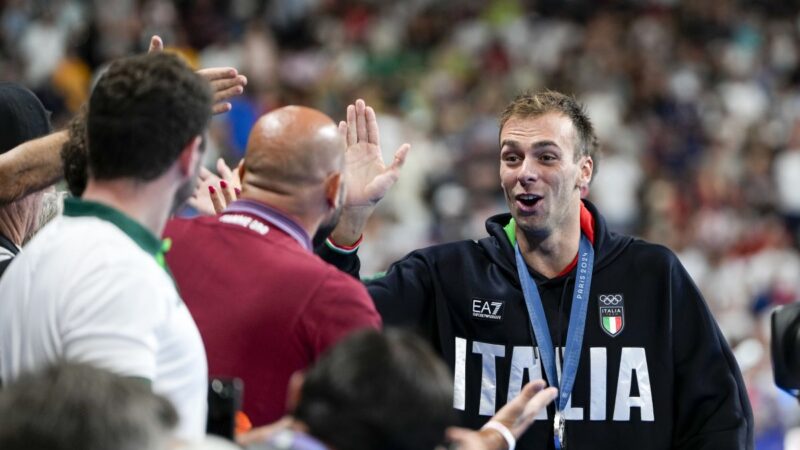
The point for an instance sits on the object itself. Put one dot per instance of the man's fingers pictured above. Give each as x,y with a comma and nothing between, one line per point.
223,170
361,121
530,389
518,403
221,84
228,174
531,409
225,83
224,95
352,137
216,73
541,400
343,130
156,44
204,174
381,184
224,89
372,127
400,157
220,108
201,204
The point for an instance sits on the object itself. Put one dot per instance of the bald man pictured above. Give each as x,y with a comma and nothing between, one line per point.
265,305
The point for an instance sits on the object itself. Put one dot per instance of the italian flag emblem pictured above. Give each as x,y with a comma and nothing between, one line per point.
612,313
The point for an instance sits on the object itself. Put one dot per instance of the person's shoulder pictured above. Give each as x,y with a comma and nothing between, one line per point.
76,236
453,249
651,253
178,226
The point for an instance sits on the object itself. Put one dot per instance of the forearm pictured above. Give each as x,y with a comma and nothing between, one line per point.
31,166
351,225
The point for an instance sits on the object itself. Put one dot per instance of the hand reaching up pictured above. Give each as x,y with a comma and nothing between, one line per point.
368,178
516,416
226,82
214,192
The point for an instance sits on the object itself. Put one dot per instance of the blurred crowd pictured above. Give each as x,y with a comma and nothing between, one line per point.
696,103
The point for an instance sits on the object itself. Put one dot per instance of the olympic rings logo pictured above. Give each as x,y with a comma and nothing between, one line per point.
610,299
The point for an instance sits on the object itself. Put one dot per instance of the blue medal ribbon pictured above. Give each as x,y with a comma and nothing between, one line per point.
577,322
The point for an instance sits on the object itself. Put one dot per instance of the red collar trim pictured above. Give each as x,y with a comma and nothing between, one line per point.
587,227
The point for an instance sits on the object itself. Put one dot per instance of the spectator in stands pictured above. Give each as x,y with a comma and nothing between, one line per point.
34,164
76,406
92,285
23,118
265,305
386,391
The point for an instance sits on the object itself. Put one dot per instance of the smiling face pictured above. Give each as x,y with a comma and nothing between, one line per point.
539,174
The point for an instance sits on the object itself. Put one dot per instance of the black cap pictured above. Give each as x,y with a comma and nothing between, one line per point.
22,116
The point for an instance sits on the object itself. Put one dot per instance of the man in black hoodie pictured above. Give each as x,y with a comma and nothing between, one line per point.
644,364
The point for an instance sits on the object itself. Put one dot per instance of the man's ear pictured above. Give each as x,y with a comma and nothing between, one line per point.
332,186
294,391
586,171
190,156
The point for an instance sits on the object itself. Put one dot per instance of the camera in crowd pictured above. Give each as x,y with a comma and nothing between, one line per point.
786,348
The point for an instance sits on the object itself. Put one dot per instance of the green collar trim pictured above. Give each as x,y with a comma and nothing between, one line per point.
74,207
511,231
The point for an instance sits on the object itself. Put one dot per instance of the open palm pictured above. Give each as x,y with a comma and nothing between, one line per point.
368,178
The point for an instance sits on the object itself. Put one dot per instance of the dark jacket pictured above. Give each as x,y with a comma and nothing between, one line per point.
662,377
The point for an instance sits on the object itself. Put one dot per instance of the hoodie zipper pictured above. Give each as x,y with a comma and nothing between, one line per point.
560,333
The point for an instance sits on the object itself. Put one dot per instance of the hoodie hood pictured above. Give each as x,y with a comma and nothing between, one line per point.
607,245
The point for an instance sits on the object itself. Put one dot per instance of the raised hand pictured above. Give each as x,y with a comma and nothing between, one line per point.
226,82
368,178
517,415
156,44
214,192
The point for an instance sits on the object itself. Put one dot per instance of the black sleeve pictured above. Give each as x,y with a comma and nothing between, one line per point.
403,296
346,262
711,404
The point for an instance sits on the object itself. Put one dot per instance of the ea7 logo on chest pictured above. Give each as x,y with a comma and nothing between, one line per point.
488,309
612,313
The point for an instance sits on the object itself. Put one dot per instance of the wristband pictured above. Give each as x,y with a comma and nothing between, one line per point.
511,441
344,248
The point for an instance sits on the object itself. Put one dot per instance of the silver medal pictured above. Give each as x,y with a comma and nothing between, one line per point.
559,425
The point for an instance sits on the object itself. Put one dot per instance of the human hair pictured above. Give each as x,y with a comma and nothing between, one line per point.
530,104
143,111
75,406
373,390
74,154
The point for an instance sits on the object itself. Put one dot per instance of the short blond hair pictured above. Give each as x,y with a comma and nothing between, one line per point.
532,105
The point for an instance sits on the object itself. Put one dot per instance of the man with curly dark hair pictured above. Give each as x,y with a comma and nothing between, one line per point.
73,154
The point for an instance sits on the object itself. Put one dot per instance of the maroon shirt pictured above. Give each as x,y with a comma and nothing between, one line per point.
266,306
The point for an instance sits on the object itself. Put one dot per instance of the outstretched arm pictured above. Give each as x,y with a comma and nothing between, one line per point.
515,417
31,166
36,164
368,178
226,82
